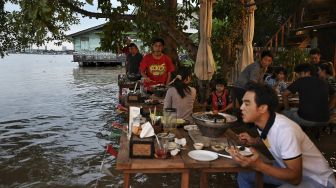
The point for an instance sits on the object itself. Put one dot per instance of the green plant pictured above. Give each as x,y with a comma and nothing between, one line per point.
289,58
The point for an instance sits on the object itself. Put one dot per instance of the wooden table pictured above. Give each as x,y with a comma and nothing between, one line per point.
219,165
130,166
181,163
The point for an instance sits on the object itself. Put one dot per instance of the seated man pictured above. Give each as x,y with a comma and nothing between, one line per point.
298,163
314,98
133,60
156,68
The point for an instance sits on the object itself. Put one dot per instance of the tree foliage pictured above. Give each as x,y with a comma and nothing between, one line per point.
39,21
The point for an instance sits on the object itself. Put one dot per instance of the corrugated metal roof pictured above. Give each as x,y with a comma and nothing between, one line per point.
87,30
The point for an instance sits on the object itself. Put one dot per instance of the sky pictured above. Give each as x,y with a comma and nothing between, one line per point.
85,23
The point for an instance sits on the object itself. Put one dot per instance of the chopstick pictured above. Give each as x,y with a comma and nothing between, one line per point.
154,115
135,87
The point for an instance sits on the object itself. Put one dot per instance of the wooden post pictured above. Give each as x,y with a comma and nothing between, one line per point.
126,180
282,35
185,179
204,179
276,41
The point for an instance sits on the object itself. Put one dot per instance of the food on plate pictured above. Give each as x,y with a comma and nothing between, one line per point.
217,147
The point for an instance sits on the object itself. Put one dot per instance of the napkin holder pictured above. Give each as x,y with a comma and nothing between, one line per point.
134,97
141,147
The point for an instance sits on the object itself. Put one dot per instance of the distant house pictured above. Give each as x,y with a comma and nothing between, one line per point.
86,42
88,39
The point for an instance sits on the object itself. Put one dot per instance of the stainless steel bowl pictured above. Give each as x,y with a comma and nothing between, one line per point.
213,127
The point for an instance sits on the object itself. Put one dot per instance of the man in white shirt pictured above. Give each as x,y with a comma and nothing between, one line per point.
298,163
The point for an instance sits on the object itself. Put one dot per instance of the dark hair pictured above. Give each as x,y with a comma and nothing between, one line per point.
179,85
264,94
266,53
314,51
220,81
327,68
155,40
278,70
304,67
132,45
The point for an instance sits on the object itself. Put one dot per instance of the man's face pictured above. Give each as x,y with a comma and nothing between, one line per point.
134,50
250,110
157,47
266,61
315,58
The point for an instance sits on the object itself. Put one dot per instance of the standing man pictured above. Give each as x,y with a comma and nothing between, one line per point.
315,60
298,163
253,72
126,49
156,68
133,60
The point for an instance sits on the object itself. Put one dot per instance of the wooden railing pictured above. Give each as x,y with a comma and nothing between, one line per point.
284,29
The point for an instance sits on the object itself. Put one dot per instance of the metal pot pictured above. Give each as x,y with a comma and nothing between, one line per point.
159,90
133,77
215,126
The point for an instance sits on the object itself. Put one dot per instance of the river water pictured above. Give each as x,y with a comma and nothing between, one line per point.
50,113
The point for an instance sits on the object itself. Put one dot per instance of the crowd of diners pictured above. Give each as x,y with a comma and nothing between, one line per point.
298,162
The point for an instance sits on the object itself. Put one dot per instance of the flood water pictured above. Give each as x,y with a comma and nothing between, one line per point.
51,111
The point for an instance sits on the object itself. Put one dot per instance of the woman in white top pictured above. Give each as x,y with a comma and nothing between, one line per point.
180,95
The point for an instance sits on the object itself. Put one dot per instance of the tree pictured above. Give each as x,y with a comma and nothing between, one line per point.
40,21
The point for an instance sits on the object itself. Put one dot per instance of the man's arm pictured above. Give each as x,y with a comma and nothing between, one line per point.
292,173
255,74
144,76
285,101
332,102
168,78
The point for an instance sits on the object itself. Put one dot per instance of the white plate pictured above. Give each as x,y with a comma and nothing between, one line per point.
203,155
190,127
246,152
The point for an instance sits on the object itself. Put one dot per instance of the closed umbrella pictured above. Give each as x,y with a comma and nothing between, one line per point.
248,33
205,64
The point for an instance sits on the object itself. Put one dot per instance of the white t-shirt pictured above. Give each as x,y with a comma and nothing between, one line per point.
286,140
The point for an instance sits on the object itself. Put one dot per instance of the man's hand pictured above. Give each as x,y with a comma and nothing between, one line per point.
251,161
246,139
147,79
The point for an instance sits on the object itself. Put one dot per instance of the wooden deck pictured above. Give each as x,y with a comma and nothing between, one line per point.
98,59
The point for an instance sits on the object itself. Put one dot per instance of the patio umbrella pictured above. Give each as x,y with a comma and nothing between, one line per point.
248,33
205,64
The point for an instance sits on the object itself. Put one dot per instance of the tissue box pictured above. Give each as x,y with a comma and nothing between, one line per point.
141,147
134,98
